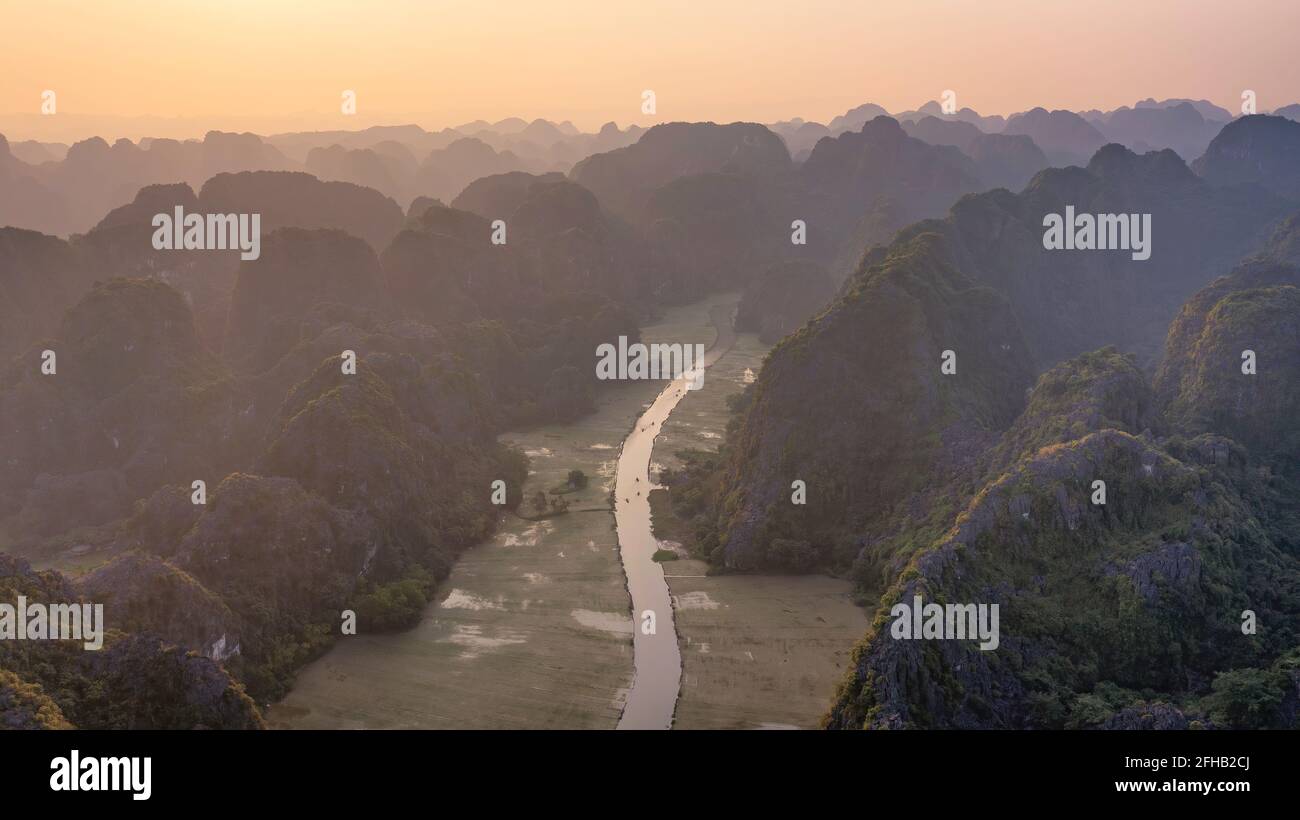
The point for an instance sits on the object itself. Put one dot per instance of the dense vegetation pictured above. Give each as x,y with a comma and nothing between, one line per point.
1135,612
340,397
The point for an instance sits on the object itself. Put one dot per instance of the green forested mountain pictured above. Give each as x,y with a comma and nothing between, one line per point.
975,482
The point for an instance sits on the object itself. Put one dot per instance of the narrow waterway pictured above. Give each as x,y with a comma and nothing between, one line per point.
532,629
656,657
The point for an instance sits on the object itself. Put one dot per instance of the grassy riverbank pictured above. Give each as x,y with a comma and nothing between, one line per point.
758,651
533,628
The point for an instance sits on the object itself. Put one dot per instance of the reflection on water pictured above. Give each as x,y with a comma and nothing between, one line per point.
658,662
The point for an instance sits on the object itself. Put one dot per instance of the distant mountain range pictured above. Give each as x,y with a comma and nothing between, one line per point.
865,250
63,189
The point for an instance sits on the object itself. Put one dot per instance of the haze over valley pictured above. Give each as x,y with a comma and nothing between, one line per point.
911,418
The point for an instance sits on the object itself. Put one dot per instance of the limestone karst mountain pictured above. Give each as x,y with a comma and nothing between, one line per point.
990,125
498,195
975,484
783,298
445,172
389,168
25,202
855,118
1122,614
298,200
42,276
1064,136
133,682
1261,150
34,152
1002,160
1180,127
624,179
135,403
800,136
860,187
63,190
981,282
1255,308
1205,108
944,386
95,177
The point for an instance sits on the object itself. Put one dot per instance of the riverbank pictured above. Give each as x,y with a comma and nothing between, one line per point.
758,651
656,652
533,628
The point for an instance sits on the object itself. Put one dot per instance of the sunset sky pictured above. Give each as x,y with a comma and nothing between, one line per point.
178,67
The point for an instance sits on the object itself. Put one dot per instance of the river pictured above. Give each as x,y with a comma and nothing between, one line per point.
656,657
533,627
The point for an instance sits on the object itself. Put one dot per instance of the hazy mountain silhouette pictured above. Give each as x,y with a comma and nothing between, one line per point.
497,196
388,168
850,180
1205,108
1003,160
777,303
800,136
1064,136
1291,112
1180,127
330,490
991,125
979,283
24,201
624,179
855,118
286,199
1261,150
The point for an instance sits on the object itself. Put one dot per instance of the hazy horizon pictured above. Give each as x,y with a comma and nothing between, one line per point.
136,69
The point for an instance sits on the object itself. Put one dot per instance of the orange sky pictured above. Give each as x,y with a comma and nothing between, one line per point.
179,67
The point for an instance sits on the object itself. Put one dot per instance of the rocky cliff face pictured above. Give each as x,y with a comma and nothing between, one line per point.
878,349
848,179
1256,150
783,298
623,179
42,276
134,403
1108,611
297,270
1233,358
133,682
980,285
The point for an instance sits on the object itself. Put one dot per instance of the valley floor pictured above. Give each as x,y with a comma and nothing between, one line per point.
533,629
758,651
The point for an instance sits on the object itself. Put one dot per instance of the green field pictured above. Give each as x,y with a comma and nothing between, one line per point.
758,651
533,628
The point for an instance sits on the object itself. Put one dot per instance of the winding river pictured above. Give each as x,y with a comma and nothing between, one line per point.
531,628
657,659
